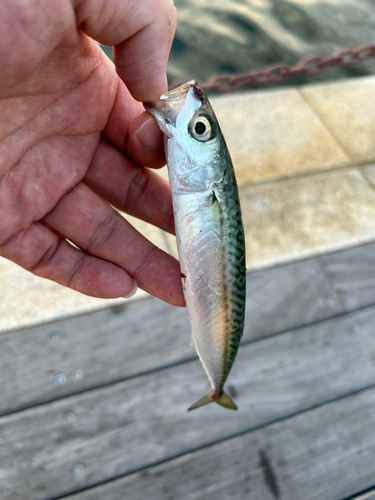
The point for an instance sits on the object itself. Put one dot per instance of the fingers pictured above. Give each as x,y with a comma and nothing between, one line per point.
90,223
124,110
142,34
49,255
145,142
132,189
130,128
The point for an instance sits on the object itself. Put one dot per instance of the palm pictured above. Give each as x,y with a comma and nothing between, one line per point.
59,128
65,127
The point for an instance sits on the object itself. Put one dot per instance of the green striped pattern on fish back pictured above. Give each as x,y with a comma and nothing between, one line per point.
236,267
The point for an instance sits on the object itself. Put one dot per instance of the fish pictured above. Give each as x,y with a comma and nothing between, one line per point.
209,231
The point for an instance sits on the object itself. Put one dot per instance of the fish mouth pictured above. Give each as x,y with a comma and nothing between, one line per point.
169,105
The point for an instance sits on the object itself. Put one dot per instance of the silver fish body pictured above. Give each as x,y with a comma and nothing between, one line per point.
209,231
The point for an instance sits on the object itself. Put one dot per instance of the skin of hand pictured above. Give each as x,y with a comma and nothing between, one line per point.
75,142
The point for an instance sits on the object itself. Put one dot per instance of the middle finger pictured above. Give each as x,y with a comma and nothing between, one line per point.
130,188
95,227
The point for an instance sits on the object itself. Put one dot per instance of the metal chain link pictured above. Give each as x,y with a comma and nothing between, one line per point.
276,73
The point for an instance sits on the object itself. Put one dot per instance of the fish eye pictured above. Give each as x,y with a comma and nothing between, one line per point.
201,128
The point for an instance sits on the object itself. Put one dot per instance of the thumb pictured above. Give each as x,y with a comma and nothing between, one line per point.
141,32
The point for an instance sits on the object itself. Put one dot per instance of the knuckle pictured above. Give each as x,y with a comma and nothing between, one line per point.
136,189
76,271
104,231
145,263
45,259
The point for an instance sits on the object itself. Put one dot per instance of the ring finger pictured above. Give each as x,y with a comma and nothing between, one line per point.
94,226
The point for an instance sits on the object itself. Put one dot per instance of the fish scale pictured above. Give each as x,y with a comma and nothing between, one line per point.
209,231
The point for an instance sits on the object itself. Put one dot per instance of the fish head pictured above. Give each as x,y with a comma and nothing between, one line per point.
195,147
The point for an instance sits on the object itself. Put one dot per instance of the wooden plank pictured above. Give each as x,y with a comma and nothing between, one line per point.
352,275
53,360
50,361
326,453
71,443
288,296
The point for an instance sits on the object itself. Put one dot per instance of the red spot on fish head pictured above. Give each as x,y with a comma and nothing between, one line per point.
200,92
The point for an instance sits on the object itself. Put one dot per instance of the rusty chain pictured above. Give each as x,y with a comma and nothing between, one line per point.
276,73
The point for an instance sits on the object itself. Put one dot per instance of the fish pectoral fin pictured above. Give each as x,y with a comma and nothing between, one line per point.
222,400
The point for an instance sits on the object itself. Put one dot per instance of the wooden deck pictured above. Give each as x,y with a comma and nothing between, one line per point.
94,407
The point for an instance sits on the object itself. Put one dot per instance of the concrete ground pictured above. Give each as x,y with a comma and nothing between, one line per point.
305,164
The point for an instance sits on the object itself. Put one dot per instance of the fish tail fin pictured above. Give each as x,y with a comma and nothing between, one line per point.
222,400
226,401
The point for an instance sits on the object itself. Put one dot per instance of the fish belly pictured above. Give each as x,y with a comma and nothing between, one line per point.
210,279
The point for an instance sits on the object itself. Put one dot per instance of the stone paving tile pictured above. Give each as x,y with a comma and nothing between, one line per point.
273,134
369,172
305,216
172,244
295,218
348,110
26,299
163,172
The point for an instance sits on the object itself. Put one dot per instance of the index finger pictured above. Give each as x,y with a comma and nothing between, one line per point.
142,34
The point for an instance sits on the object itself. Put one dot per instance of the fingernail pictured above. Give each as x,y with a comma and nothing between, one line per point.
149,135
133,291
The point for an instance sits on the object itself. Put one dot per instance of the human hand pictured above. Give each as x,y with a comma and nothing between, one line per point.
72,139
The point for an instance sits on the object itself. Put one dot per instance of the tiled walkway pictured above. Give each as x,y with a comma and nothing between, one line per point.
305,163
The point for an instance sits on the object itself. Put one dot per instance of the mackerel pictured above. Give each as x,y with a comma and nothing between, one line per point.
209,231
